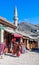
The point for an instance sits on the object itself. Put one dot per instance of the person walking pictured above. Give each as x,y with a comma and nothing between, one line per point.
23,49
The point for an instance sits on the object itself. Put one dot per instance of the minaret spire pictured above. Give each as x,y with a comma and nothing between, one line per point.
15,16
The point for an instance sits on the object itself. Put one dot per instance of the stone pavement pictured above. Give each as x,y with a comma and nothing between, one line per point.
29,58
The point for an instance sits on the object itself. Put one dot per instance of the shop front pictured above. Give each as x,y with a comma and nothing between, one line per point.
18,37
16,42
7,36
10,39
32,44
6,30
7,40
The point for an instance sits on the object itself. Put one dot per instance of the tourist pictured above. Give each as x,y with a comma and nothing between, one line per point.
11,46
23,49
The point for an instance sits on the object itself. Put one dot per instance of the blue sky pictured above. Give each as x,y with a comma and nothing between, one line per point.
27,10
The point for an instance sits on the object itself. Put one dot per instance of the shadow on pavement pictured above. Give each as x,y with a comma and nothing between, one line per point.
10,55
35,50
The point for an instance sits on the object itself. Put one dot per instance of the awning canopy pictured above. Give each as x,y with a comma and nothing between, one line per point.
18,35
9,30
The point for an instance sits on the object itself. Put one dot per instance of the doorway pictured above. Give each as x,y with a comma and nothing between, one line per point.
7,37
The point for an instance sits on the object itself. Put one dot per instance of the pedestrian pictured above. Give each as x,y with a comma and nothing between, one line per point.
11,46
23,49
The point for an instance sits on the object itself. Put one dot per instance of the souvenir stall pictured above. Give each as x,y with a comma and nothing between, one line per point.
16,44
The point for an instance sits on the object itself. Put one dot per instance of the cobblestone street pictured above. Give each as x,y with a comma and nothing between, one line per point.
29,58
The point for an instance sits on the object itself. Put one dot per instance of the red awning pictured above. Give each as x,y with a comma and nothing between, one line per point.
18,35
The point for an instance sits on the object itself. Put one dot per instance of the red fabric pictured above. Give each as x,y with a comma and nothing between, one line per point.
12,40
2,46
18,54
18,35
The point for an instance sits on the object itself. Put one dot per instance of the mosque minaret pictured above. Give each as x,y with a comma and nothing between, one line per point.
15,16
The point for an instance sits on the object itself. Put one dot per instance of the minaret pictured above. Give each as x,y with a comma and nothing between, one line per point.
15,16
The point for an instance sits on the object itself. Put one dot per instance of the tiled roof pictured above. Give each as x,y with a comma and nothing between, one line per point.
7,22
